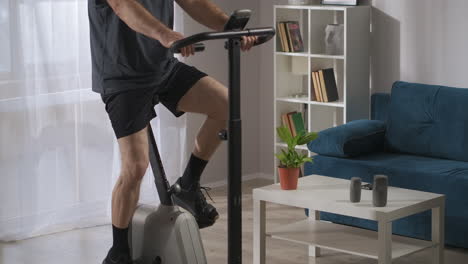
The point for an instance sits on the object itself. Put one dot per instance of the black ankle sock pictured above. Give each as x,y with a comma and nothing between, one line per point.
193,172
120,244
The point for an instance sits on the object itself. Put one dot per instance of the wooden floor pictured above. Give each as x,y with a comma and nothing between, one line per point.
88,246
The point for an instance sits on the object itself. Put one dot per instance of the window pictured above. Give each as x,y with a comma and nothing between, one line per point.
5,44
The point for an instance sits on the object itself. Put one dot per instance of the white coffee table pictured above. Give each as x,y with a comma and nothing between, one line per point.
320,193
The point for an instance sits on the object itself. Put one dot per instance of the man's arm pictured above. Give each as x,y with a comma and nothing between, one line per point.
207,13
142,21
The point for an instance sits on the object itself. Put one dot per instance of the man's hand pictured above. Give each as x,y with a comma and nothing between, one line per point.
248,42
169,37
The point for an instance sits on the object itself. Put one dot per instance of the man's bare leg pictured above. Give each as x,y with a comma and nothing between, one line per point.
208,97
135,161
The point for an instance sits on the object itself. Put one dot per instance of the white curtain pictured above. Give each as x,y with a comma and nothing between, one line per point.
58,155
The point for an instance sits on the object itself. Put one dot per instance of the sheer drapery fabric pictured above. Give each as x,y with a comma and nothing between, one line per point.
59,157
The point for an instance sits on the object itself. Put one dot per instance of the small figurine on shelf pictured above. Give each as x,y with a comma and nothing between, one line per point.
334,39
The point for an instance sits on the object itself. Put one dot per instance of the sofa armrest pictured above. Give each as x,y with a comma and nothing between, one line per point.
350,140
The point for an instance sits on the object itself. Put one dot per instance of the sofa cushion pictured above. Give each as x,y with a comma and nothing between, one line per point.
428,120
427,174
351,139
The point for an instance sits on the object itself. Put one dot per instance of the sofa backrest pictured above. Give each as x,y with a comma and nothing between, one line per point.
428,120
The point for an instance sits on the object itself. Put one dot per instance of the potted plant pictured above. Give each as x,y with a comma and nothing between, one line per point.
290,159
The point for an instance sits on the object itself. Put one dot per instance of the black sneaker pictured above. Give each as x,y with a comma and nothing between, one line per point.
117,259
194,201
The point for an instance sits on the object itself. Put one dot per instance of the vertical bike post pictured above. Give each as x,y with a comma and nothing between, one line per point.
234,155
160,179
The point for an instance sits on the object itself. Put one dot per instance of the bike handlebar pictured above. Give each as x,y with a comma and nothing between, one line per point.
264,34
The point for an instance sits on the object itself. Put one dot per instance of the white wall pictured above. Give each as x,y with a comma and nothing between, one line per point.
420,41
413,40
214,61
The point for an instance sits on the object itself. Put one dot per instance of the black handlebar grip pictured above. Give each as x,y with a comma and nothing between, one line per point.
264,39
199,47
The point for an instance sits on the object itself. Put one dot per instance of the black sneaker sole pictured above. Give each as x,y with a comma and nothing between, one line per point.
202,223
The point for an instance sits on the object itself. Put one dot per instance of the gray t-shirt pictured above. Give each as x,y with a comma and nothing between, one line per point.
123,59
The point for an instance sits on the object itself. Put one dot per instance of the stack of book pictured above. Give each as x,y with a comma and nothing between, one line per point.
290,36
294,121
324,86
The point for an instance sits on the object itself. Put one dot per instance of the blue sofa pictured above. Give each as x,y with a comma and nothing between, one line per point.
418,136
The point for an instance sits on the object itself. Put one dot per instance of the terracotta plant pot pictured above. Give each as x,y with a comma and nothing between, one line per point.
288,178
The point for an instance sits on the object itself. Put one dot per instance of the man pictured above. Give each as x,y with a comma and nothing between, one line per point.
133,70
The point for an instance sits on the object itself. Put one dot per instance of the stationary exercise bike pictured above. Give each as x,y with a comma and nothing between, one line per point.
165,234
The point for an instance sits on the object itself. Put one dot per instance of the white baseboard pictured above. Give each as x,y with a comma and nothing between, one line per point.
246,177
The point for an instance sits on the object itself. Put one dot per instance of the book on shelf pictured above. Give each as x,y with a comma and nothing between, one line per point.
286,38
318,87
324,85
290,36
290,41
330,84
315,88
282,37
298,122
292,126
294,121
295,36
278,29
287,122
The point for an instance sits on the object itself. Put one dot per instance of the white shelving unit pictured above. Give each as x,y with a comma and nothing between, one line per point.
352,70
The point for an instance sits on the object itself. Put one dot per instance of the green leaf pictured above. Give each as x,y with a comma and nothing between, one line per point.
289,157
284,133
308,137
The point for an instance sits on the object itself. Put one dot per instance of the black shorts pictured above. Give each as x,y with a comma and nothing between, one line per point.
131,111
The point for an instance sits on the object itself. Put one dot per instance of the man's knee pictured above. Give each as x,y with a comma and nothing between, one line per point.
220,109
135,159
133,173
